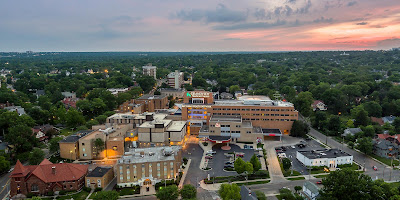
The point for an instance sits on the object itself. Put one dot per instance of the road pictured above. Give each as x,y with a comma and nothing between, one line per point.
4,182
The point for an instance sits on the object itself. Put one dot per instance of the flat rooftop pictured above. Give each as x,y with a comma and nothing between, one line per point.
99,172
225,118
129,115
324,153
149,97
254,97
248,100
151,124
152,154
177,126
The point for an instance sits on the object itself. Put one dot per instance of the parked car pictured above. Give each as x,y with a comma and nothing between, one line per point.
374,168
259,155
209,154
293,147
283,148
240,155
229,155
229,166
308,139
251,147
211,151
319,182
229,163
245,146
12,169
301,145
208,157
278,149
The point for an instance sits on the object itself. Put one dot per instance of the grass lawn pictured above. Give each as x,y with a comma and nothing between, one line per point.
253,183
352,167
319,171
288,173
66,132
79,196
385,160
321,176
295,179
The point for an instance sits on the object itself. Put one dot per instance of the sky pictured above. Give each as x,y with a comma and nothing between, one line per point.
201,25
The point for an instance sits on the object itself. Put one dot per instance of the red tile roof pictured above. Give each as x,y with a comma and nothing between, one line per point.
44,171
386,136
378,120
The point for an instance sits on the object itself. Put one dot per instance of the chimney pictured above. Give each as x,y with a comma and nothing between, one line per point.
53,169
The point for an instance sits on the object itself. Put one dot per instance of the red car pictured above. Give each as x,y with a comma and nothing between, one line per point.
208,157
375,168
319,182
240,155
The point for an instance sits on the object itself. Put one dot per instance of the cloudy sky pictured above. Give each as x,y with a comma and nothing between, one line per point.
201,25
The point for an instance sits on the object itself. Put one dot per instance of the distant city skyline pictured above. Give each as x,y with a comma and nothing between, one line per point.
207,25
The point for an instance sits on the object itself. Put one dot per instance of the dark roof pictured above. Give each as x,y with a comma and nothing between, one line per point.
247,194
99,172
76,136
324,153
218,137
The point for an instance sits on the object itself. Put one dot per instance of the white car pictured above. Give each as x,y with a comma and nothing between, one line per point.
211,151
293,147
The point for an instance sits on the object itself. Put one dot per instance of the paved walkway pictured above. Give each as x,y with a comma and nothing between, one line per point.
215,186
184,173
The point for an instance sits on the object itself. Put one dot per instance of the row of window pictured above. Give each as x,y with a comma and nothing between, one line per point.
212,131
247,109
257,114
143,171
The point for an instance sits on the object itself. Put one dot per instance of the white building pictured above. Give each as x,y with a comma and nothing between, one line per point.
326,157
175,79
150,70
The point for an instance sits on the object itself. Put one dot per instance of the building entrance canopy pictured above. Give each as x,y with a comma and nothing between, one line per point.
219,139
271,132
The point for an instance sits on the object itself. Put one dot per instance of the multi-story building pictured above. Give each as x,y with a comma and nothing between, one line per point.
46,178
150,70
153,103
327,157
131,106
82,144
69,146
161,132
199,107
175,79
175,93
147,166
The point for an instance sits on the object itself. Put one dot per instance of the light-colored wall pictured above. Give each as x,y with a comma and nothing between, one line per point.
104,181
67,148
324,161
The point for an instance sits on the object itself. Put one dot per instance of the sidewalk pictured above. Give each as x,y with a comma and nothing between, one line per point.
184,173
215,186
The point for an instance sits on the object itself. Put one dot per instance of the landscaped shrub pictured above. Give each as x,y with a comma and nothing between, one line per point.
98,189
127,191
205,144
30,195
50,193
185,160
86,189
62,192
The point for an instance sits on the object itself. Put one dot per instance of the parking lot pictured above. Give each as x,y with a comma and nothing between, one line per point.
195,152
290,153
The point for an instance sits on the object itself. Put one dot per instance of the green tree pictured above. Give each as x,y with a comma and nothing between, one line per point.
229,191
369,131
365,145
54,146
297,188
101,119
21,137
36,198
74,118
36,156
299,129
334,125
146,82
286,163
303,103
352,183
100,145
106,195
234,88
260,195
255,162
320,119
396,124
248,167
188,192
240,165
373,108
4,164
168,193
360,116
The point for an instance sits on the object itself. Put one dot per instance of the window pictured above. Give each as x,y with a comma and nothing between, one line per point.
114,148
134,173
248,131
83,144
87,183
158,170
143,171
150,170
165,170
85,154
34,188
172,169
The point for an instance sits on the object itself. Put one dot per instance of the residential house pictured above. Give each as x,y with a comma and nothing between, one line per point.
325,157
377,120
20,110
386,145
310,191
319,105
351,131
46,178
388,119
225,95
